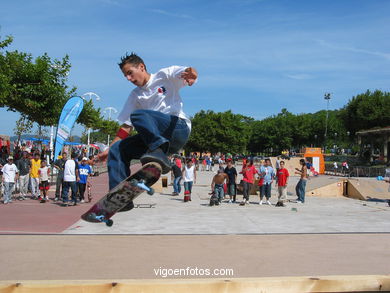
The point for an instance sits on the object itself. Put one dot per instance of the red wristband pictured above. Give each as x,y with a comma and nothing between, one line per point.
122,134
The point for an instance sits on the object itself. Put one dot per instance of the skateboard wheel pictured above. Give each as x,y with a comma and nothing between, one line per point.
109,222
151,191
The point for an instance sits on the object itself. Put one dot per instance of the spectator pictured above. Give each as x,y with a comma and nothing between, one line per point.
24,166
177,175
281,182
84,172
217,185
231,185
248,173
71,177
10,172
34,176
44,173
301,186
59,164
268,174
189,175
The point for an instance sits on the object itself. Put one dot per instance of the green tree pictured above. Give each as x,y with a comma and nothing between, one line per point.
367,110
37,88
219,132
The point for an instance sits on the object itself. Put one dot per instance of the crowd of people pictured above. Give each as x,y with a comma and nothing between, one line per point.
225,181
28,174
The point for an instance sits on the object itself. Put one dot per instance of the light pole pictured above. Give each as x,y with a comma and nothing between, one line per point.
110,110
97,98
327,98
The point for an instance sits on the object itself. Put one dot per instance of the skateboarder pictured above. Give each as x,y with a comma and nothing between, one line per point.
155,110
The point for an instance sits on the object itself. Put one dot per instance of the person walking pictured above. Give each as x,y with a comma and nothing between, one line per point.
282,176
10,175
300,188
177,175
268,174
189,176
24,166
231,185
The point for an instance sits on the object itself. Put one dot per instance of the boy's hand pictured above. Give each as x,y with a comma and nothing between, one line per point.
102,156
189,75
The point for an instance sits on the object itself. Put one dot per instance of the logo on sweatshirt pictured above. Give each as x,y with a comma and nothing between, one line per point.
161,90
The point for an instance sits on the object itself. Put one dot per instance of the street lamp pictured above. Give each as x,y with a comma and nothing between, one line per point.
110,110
327,98
90,95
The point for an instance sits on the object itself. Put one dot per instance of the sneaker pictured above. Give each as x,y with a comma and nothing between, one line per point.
82,201
157,156
261,202
268,202
230,201
40,198
56,199
42,201
64,204
298,201
20,198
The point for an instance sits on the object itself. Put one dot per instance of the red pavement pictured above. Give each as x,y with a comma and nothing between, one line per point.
31,216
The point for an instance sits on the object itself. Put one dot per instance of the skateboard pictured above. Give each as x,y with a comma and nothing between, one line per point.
125,192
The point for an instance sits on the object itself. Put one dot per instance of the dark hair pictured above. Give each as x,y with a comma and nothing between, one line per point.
73,156
302,161
131,59
281,162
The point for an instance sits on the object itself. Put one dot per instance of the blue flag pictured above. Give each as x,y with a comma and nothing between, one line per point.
69,115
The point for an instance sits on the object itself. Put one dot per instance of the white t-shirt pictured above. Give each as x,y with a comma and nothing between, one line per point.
160,93
189,173
70,171
9,172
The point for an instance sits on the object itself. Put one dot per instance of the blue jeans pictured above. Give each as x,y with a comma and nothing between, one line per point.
301,190
219,192
176,185
65,189
265,189
188,186
8,186
155,129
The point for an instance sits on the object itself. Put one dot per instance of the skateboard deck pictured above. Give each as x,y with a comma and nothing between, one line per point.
125,192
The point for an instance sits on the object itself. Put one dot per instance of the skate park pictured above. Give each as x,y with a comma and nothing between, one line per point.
330,241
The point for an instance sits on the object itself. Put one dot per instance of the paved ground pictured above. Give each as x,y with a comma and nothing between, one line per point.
172,216
325,236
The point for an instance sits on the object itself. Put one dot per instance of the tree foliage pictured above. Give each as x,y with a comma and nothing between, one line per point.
219,132
37,88
367,110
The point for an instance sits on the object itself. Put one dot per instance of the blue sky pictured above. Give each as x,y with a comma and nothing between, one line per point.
253,57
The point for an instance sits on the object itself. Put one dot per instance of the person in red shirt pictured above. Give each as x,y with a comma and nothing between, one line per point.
281,181
248,173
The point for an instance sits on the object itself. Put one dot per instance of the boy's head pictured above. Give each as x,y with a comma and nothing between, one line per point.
267,162
36,156
73,156
134,69
281,164
43,163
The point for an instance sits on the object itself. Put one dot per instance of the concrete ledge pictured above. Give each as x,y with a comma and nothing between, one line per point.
368,283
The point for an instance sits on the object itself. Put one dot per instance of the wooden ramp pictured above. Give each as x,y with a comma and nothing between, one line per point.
368,189
373,283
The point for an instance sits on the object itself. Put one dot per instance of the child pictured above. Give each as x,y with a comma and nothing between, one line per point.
44,173
189,176
84,171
